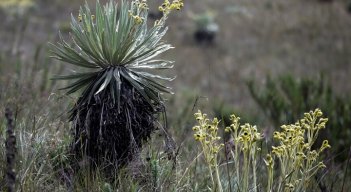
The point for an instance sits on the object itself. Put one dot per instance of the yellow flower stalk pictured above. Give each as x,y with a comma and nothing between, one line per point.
297,161
206,132
245,139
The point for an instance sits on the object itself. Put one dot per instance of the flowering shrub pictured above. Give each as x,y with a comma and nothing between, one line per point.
293,159
298,161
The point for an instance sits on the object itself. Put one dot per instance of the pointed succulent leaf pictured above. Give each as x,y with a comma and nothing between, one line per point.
117,46
137,86
106,82
74,76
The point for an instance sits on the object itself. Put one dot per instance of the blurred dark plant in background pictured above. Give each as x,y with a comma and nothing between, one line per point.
206,27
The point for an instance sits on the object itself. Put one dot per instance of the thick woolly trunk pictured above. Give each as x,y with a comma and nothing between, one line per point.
109,137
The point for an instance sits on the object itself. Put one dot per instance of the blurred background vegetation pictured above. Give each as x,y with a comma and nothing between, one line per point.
268,61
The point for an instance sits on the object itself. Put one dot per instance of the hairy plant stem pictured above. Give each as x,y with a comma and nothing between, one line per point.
283,174
254,171
270,179
245,181
211,174
218,179
235,157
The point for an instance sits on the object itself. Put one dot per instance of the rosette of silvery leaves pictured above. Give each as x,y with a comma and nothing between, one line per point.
115,43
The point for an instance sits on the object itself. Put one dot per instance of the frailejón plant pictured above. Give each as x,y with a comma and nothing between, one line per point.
120,96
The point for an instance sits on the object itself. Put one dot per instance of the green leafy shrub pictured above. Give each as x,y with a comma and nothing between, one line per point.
285,98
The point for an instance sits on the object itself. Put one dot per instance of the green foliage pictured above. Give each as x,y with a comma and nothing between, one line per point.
285,98
113,44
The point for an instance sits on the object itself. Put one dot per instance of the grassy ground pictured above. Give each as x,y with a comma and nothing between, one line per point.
256,38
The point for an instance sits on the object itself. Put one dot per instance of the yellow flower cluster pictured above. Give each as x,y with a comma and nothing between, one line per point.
80,17
167,7
245,139
137,18
297,159
207,134
139,7
269,161
246,136
235,124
